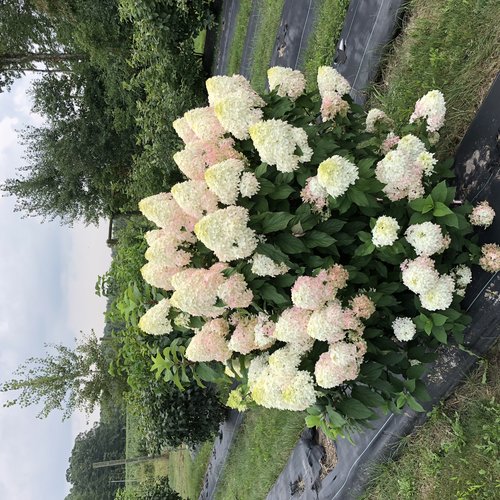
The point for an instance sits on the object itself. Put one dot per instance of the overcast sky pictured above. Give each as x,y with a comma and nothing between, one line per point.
47,278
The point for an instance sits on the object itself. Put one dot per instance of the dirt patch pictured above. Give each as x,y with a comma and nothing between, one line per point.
329,460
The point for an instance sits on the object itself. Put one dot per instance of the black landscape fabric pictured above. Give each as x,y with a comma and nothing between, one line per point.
227,25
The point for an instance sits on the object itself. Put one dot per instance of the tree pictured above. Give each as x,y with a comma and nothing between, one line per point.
65,380
104,441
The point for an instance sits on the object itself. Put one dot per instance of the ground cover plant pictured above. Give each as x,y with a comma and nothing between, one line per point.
325,35
455,454
317,263
437,49
263,43
238,41
259,453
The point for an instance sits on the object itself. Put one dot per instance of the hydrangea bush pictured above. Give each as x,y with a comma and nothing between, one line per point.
313,254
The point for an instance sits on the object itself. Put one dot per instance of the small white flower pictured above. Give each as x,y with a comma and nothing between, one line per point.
404,329
385,231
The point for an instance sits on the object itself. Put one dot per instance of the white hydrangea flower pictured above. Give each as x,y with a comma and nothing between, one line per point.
224,178
249,185
432,107
330,80
419,275
262,265
184,131
463,277
277,141
204,123
194,198
482,215
440,296
155,321
385,231
327,323
226,233
376,115
339,364
404,329
336,174
426,238
236,115
289,82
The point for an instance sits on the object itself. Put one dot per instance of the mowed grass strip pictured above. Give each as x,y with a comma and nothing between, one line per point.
259,453
321,46
186,475
238,42
265,37
450,45
455,455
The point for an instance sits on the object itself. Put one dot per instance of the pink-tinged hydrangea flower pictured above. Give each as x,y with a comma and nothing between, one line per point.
330,80
385,231
262,265
440,296
362,306
184,131
490,260
404,329
165,212
310,292
375,116
352,322
315,194
264,331
196,291
226,233
389,142
209,343
336,174
288,82
332,105
426,238
336,275
432,108
204,123
165,251
419,275
158,275
155,321
223,179
249,185
235,292
291,327
327,323
197,156
277,142
482,215
195,198
340,364
401,169
243,338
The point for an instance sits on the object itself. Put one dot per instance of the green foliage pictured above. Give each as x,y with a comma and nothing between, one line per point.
153,489
439,50
104,441
239,37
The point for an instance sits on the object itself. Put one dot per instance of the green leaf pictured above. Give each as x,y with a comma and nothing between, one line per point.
355,409
275,221
282,192
422,205
440,192
331,226
261,170
413,404
439,319
416,371
270,293
450,220
336,419
284,281
313,421
364,249
440,334
440,210
358,197
365,167
273,253
367,396
266,187
207,373
290,244
315,238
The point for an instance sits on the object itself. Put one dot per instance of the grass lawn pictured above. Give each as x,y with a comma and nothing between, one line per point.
324,37
450,45
238,42
455,455
199,42
186,475
263,43
259,453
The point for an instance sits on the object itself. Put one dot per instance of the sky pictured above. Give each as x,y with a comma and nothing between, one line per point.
47,279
